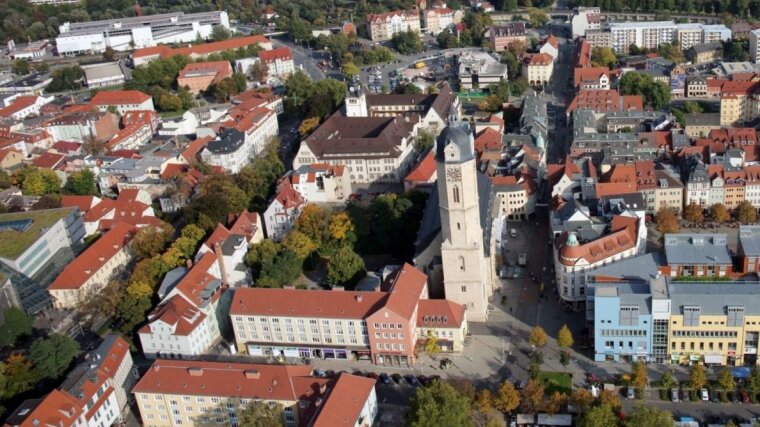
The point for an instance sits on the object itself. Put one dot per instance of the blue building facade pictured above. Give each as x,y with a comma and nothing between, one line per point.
622,321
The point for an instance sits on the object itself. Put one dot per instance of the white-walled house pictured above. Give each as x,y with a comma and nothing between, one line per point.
282,212
321,183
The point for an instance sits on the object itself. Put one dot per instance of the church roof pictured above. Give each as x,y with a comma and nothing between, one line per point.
459,135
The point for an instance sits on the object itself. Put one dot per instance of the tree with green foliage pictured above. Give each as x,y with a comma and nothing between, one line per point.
350,70
655,94
408,89
66,78
598,416
483,401
649,416
169,102
261,414
726,379
218,196
48,201
513,64
538,18
51,356
21,67
284,269
439,405
37,182
407,42
109,54
667,220
82,183
219,33
16,325
17,375
510,5
753,385
447,40
345,268
424,140
603,57
746,213
667,381
671,52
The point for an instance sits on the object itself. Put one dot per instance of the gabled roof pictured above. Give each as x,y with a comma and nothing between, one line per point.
89,262
590,75
279,54
439,313
49,160
424,170
289,198
344,402
201,49
18,104
198,280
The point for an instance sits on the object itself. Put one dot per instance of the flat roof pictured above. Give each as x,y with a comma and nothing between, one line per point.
14,242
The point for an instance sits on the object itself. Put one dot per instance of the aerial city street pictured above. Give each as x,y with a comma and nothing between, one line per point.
421,213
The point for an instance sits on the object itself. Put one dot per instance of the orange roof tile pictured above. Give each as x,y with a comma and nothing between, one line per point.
344,402
424,170
119,97
83,267
281,54
439,313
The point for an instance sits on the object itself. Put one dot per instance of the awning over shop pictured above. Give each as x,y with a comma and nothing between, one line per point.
712,358
740,372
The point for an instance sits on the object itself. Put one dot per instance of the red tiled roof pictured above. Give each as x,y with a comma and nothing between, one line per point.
289,198
17,105
119,97
281,54
539,59
584,54
67,146
220,68
615,188
622,237
245,223
293,303
424,170
190,153
605,100
56,409
84,203
344,402
178,313
553,41
94,257
622,173
6,153
151,51
439,313
48,160
590,75
261,381
193,283
405,286
488,140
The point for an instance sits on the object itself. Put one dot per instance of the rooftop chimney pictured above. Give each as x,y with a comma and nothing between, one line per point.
195,372
252,374
358,298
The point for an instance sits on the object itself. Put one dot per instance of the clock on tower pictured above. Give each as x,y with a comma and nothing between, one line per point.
453,174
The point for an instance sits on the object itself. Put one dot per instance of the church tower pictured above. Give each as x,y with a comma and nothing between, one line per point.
356,100
465,265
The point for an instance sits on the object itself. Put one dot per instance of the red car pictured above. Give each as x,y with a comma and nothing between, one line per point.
745,397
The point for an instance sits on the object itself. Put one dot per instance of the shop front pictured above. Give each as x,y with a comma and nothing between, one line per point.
392,360
300,352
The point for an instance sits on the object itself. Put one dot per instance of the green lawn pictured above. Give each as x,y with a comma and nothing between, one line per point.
13,243
556,381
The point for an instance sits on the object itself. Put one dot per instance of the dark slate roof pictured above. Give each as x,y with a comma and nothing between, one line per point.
458,135
713,298
638,268
749,239
229,142
696,249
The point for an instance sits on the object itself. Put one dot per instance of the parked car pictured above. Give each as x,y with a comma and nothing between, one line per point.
512,233
384,378
396,378
685,395
745,396
373,375
329,373
731,396
630,393
674,395
425,381
318,373
704,395
411,380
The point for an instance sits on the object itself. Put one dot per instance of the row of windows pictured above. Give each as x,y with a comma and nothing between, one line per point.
393,346
705,334
710,346
623,332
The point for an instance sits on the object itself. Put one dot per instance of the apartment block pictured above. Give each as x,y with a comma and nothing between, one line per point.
504,34
279,62
647,35
182,392
754,46
585,19
241,139
93,394
384,26
93,268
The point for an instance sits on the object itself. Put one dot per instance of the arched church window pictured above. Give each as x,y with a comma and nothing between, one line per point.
461,263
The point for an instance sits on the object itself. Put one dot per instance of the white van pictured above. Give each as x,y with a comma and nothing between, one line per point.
512,232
